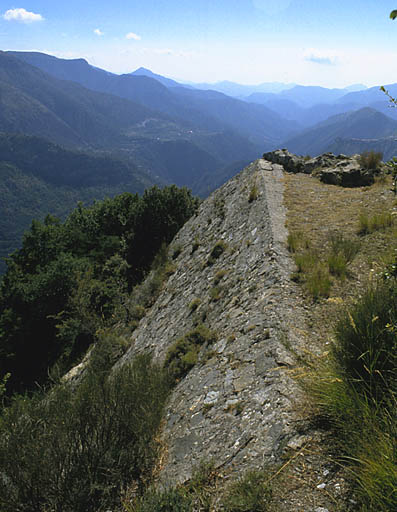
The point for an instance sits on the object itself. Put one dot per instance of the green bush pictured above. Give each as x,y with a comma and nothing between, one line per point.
370,160
219,276
183,354
194,304
77,449
194,495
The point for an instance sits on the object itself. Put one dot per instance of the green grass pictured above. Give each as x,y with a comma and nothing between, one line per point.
354,383
356,390
318,282
337,252
249,494
294,241
376,222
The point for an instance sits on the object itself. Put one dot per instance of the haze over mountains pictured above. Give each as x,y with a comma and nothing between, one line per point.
138,129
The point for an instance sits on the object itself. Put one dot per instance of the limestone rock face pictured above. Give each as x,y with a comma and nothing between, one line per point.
341,170
237,405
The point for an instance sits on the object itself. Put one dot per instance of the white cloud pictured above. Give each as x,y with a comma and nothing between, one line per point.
132,35
22,15
98,32
320,57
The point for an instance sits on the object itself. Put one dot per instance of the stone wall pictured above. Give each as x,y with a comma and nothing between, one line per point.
238,405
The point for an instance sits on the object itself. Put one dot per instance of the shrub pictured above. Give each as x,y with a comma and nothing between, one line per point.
219,276
249,494
254,193
177,251
218,249
195,495
215,293
76,449
194,304
183,354
370,160
195,245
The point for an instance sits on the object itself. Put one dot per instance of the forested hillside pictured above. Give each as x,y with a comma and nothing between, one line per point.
38,177
71,278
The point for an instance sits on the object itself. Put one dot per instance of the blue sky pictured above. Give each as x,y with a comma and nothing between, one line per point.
311,42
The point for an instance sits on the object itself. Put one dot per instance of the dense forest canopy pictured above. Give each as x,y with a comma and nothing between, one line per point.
70,277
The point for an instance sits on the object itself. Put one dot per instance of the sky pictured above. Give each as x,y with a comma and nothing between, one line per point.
331,43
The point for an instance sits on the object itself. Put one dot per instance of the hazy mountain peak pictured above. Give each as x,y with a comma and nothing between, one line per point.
356,88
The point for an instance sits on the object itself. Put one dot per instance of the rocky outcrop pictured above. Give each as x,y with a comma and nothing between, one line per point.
237,406
342,170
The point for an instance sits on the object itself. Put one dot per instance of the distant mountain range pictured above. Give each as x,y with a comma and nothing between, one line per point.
84,132
38,177
366,123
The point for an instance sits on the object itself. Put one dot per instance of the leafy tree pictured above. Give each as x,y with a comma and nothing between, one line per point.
69,279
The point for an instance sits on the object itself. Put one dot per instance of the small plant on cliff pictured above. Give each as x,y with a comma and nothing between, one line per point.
183,354
218,249
194,304
219,276
254,193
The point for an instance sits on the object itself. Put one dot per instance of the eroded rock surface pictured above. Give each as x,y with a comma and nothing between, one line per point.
342,170
237,406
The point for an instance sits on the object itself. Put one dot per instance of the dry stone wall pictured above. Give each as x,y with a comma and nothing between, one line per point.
237,406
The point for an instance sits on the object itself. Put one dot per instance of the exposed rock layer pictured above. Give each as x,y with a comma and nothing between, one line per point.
342,170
